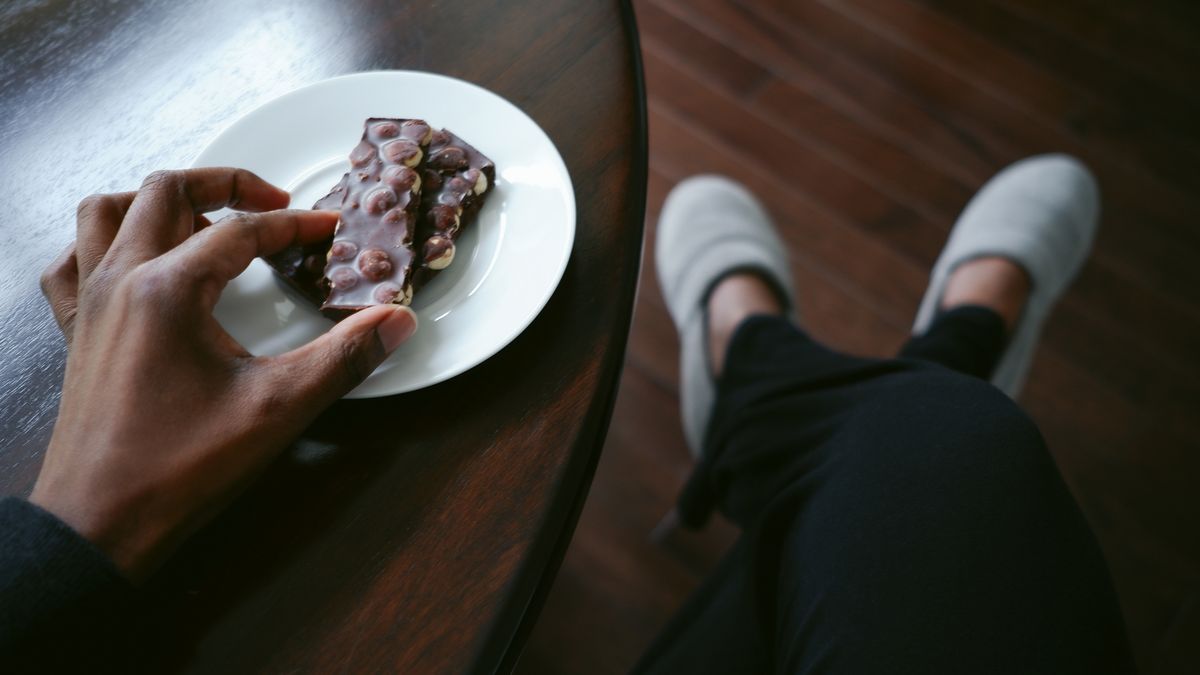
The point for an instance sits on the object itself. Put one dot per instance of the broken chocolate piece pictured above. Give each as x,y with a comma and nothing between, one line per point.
303,267
457,179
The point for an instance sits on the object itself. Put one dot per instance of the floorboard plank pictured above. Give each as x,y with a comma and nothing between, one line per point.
990,65
995,117
1158,38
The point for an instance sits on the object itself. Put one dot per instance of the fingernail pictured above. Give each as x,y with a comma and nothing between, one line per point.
396,328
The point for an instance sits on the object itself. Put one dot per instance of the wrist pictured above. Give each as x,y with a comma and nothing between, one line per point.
128,549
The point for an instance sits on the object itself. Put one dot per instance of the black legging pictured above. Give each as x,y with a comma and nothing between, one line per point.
898,516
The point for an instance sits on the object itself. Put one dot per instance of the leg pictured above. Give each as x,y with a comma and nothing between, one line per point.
899,517
983,301
980,308
934,534
968,339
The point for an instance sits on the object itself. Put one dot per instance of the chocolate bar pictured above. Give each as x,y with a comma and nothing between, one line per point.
371,258
381,251
456,178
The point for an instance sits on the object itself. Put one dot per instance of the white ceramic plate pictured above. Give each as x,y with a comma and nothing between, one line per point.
508,262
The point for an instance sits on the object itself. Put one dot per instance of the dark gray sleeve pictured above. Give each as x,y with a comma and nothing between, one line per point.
64,607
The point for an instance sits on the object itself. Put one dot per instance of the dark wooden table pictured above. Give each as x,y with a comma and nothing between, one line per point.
415,533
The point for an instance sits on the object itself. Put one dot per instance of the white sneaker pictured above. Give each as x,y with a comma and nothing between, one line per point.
710,226
1040,213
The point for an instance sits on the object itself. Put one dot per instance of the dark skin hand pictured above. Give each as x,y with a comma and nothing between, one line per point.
165,417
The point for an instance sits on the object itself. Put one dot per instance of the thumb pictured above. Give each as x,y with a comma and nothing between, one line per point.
327,368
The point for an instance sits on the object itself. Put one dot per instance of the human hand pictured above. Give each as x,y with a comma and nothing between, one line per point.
164,416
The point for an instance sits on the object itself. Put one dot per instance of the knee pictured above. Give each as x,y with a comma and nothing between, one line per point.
943,431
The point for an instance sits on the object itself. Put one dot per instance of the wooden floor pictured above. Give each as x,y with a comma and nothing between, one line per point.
865,125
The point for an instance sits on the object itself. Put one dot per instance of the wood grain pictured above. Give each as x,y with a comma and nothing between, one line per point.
393,537
864,126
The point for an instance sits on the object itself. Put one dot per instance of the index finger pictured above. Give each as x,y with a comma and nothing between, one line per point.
223,250
163,213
